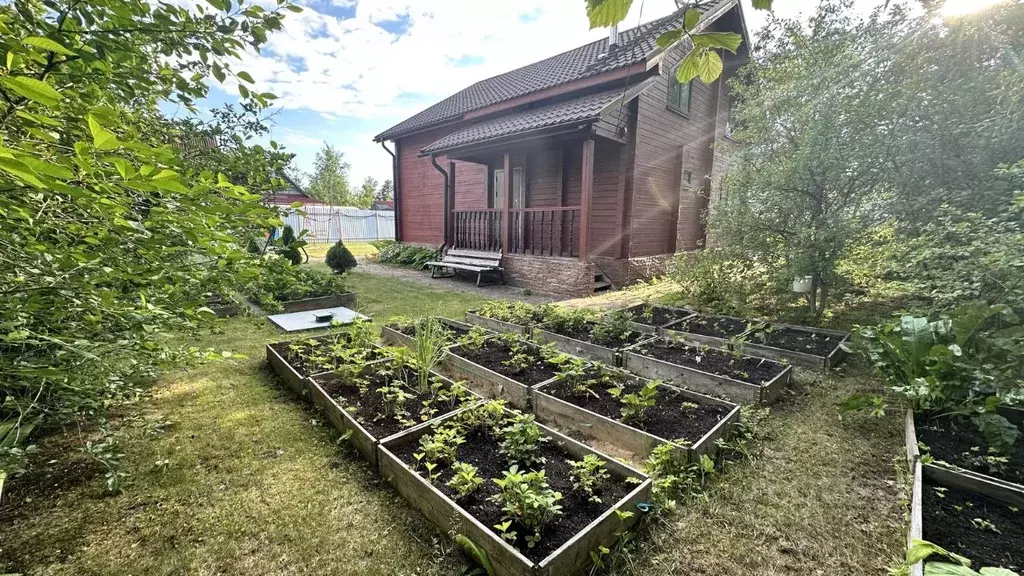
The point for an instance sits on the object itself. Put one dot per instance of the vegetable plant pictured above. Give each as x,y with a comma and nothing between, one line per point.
441,446
521,440
466,480
635,405
613,329
588,475
278,281
474,339
428,350
526,498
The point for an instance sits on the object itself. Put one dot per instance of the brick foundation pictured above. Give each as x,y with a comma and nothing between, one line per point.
623,272
566,276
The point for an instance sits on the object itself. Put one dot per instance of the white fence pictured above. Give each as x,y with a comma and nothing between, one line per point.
333,223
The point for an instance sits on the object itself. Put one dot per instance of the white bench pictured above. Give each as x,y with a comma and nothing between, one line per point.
471,260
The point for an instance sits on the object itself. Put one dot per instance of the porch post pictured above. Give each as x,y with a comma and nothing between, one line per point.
450,216
587,190
506,209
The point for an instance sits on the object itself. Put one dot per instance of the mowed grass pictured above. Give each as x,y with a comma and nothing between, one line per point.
256,484
359,249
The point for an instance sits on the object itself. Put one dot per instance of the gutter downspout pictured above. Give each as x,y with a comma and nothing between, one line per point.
395,191
433,160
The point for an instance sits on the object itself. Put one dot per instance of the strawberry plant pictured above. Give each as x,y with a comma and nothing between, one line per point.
526,498
588,475
466,480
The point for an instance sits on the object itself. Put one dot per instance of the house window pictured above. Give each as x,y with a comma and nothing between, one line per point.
679,94
730,119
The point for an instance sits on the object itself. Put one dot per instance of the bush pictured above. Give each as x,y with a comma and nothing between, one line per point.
407,255
279,281
340,259
290,246
716,281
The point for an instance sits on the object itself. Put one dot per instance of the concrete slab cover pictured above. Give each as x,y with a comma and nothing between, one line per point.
297,321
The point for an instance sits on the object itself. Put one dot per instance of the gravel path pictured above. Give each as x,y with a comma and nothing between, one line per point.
459,283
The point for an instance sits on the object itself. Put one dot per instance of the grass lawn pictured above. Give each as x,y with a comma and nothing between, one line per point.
359,249
255,483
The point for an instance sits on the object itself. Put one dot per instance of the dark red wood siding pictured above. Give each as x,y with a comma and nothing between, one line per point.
667,143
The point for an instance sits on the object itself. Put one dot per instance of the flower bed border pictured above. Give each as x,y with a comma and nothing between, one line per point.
582,349
803,359
361,438
498,325
706,382
487,382
960,477
567,415
570,558
713,341
393,337
292,378
652,329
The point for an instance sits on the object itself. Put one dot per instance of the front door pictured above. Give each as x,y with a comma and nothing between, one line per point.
518,200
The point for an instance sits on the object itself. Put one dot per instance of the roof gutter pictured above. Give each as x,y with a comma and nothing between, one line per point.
447,208
395,188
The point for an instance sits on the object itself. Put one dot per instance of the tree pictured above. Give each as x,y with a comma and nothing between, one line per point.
813,123
386,192
329,180
118,223
367,192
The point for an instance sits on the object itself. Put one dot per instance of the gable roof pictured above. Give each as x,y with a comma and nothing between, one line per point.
579,110
635,45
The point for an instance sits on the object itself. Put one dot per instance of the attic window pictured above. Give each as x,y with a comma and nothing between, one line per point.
679,94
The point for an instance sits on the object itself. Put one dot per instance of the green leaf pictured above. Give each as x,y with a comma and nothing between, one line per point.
48,45
243,91
669,38
164,174
35,90
761,4
48,168
726,40
710,67
689,67
102,138
1000,433
922,549
246,77
691,19
20,170
945,569
997,572
294,8
604,13
218,73
38,118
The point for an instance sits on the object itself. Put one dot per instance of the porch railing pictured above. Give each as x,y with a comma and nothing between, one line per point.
477,230
551,231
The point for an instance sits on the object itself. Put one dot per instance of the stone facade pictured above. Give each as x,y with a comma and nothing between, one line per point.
567,276
623,272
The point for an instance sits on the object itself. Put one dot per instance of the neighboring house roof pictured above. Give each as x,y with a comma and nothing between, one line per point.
583,109
635,45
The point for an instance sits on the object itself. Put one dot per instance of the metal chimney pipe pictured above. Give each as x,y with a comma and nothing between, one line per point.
613,35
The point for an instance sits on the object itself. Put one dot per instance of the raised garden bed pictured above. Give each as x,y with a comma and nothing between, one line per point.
501,367
587,340
382,400
969,517
956,443
222,307
508,317
404,334
580,400
709,329
815,348
743,379
295,360
651,318
566,540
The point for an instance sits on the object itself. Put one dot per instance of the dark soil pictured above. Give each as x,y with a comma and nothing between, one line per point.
953,520
660,315
321,346
494,353
717,326
957,441
368,407
481,450
742,368
668,418
795,340
454,332
586,334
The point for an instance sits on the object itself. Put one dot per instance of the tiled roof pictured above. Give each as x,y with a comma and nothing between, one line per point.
634,46
584,108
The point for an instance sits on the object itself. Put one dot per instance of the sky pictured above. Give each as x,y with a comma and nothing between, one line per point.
346,70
